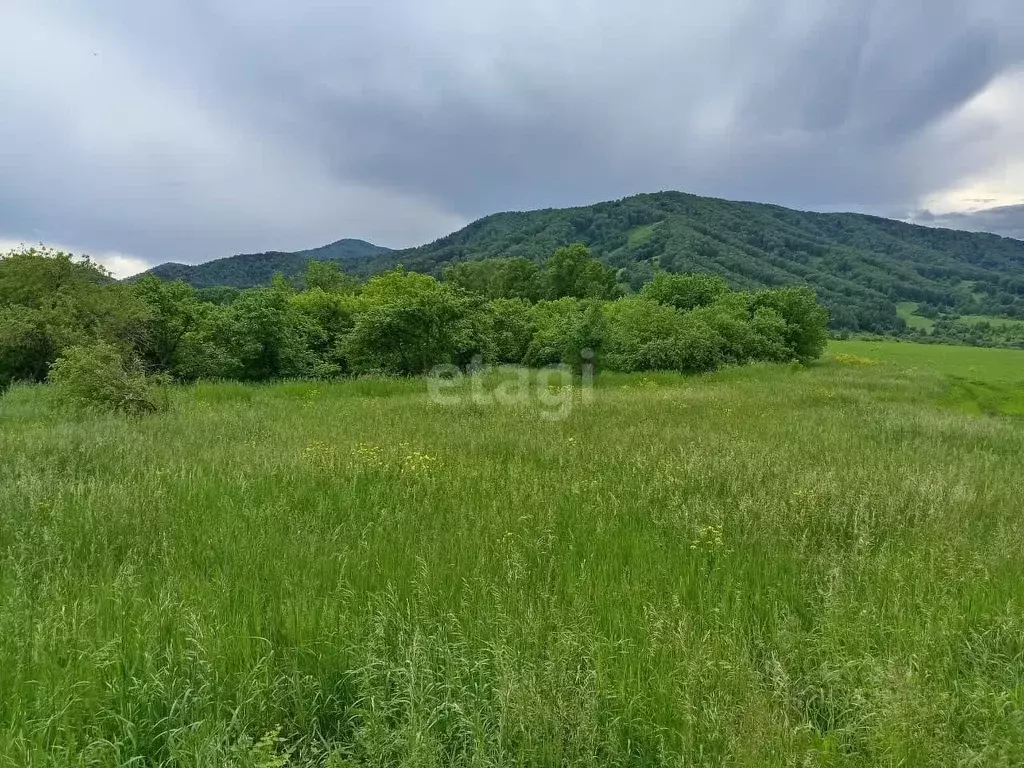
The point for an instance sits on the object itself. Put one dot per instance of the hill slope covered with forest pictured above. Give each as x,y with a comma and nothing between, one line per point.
861,266
251,269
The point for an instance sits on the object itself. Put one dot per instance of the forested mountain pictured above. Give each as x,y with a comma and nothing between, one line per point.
861,266
251,269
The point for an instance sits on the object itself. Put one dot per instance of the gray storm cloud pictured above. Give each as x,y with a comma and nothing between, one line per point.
196,129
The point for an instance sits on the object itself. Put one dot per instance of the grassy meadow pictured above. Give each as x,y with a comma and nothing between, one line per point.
908,311
767,566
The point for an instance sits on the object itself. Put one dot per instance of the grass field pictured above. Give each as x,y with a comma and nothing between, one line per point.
769,566
978,380
907,310
992,366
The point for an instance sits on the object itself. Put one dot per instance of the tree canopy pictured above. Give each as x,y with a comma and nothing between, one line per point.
54,308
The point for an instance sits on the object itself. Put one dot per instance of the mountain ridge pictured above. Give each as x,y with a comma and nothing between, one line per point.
247,270
861,265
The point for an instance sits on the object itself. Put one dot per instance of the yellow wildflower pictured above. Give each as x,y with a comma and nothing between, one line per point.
321,455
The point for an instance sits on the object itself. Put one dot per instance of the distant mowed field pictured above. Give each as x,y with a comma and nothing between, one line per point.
768,566
977,363
977,380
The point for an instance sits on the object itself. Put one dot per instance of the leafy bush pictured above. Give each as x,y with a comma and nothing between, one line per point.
806,320
647,335
406,324
326,318
50,301
566,331
31,277
730,319
498,278
572,273
685,291
272,340
512,329
643,335
328,277
209,348
98,376
768,338
700,346
26,345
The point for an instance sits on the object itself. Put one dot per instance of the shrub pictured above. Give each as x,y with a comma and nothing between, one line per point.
565,331
769,336
397,323
643,335
32,277
473,331
272,340
326,319
26,346
806,321
208,350
98,376
172,311
328,277
512,330
730,320
700,346
497,278
572,272
685,291
406,324
50,301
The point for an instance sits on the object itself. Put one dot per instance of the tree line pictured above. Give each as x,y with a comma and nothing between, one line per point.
976,332
327,324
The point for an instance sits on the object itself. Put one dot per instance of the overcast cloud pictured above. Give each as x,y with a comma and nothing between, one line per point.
185,130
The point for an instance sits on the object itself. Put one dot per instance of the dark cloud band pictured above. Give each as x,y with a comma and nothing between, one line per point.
191,130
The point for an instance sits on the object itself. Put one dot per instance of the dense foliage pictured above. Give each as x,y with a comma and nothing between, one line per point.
50,302
398,322
97,376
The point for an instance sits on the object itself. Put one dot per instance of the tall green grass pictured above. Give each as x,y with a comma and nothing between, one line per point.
767,566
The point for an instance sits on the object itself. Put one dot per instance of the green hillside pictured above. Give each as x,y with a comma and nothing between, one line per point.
247,270
862,266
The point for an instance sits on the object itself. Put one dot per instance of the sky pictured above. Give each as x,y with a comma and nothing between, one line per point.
185,130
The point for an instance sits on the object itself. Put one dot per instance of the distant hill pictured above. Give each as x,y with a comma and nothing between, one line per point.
862,266
250,269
